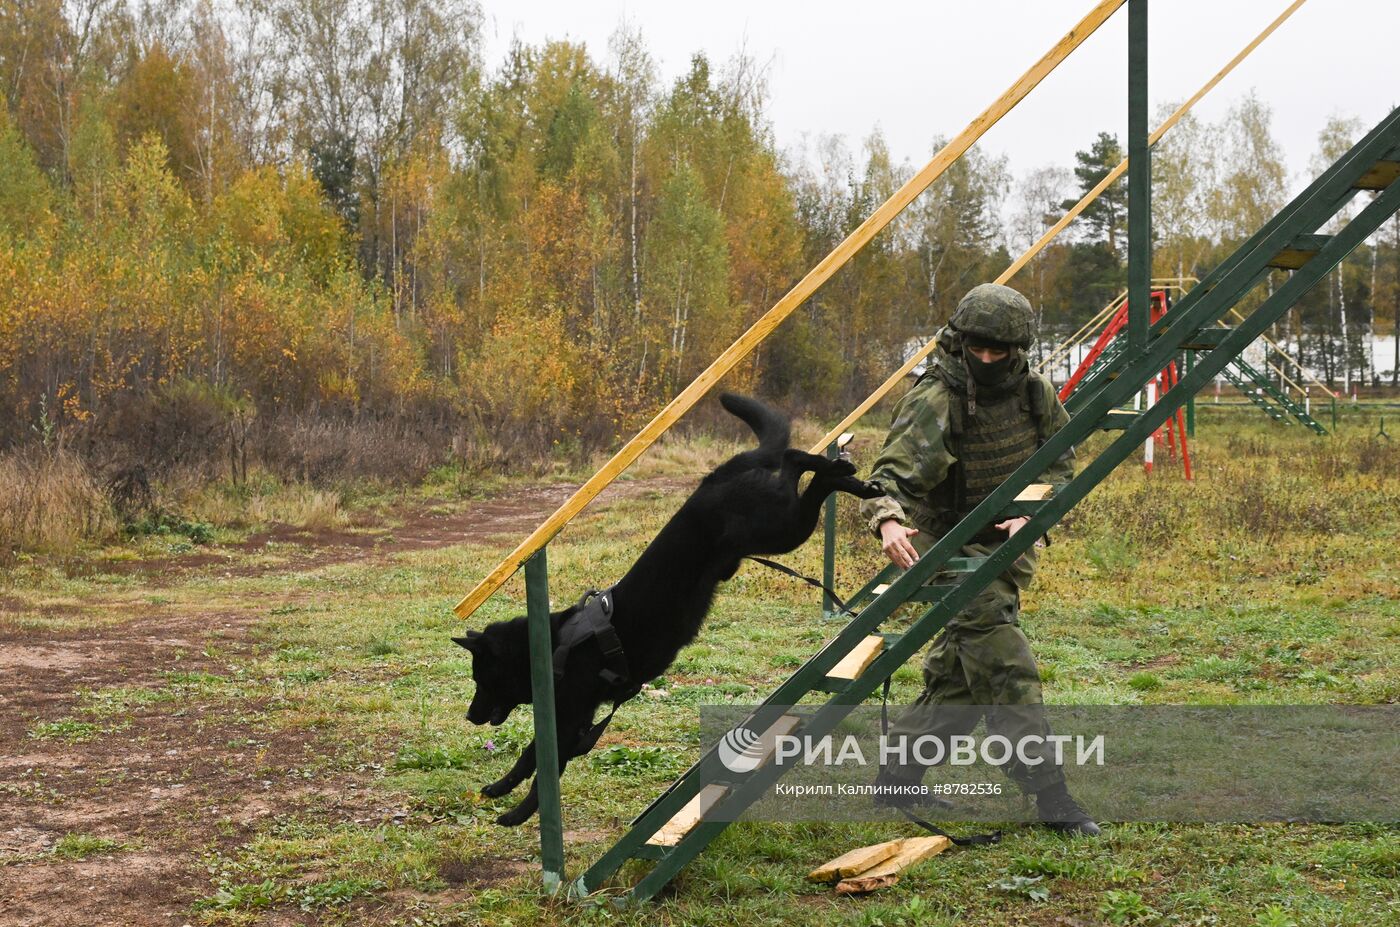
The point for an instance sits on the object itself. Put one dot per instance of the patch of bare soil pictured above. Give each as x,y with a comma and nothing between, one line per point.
168,781
506,517
481,871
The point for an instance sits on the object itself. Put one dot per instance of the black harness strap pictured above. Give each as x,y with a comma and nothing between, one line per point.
592,620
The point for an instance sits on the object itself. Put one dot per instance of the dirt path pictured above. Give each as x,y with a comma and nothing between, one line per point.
167,778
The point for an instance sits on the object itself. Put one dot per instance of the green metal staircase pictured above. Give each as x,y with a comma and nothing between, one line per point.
1260,386
947,581
1255,395
1253,384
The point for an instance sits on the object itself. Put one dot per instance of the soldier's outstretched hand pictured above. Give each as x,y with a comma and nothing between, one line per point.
894,538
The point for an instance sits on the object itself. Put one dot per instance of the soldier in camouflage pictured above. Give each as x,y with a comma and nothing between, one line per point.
971,420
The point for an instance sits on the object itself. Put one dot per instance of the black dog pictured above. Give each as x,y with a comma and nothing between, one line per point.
747,505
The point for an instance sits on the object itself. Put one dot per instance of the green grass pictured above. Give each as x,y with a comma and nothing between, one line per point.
1271,579
67,729
81,846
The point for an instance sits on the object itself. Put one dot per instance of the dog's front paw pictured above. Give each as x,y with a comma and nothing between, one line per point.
496,789
860,489
515,816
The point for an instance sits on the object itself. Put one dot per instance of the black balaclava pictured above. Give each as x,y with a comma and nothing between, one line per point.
987,374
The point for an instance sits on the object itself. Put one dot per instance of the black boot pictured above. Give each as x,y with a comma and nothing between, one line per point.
896,788
1059,811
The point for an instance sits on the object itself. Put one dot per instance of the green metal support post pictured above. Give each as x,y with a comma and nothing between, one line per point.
1139,181
1191,403
829,548
546,739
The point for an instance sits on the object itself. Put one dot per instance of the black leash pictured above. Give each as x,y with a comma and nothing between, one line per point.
975,839
840,603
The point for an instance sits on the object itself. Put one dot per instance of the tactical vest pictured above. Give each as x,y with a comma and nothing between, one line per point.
990,443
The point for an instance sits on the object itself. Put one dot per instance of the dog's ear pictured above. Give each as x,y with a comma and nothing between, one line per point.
473,641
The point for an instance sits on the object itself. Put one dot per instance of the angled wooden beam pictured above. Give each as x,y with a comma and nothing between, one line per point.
1059,226
766,323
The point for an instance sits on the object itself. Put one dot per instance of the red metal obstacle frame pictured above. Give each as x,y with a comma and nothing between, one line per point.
1176,424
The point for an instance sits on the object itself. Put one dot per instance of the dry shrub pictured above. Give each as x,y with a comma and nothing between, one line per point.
1267,506
325,451
301,506
50,501
539,390
1254,486
183,424
320,510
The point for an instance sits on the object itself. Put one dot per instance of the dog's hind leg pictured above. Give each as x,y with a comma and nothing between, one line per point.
835,476
858,488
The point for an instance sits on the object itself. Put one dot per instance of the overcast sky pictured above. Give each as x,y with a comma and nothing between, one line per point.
921,69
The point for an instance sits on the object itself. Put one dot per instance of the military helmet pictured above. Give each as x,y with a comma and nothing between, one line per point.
994,312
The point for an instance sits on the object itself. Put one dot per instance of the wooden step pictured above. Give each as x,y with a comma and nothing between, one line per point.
1381,175
674,830
1029,500
861,656
1118,419
764,747
1205,339
769,738
930,592
1299,251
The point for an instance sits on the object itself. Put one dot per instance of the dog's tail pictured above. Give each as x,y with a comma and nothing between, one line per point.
771,426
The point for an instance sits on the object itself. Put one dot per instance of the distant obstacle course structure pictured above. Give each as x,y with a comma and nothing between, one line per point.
1274,399
1108,346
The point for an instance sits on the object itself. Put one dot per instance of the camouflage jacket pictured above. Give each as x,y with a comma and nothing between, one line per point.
917,457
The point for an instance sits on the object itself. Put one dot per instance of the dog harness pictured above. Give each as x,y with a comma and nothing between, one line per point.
592,622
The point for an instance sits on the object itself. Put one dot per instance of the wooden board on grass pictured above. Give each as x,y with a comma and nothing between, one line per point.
856,861
911,851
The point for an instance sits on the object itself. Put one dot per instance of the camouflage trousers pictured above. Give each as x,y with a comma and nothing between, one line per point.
982,659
